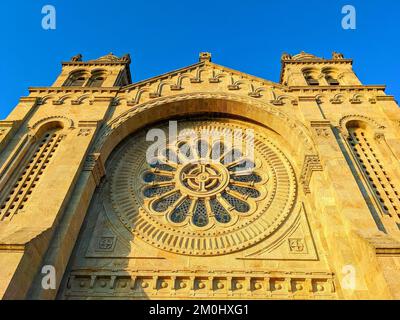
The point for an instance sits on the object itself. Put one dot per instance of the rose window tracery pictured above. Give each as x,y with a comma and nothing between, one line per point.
201,194
199,184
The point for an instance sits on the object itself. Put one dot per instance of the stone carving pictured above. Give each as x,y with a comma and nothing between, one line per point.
84,132
255,92
205,56
311,164
322,132
296,245
304,56
197,77
337,55
286,56
216,76
126,58
337,99
197,207
182,284
111,58
94,164
76,58
379,136
201,187
322,128
356,99
106,243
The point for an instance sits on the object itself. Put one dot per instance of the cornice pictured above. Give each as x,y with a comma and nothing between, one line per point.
306,98
12,247
93,63
73,89
385,98
89,123
8,123
311,61
320,123
337,88
28,99
318,61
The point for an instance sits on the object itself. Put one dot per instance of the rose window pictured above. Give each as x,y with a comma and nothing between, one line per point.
201,194
199,181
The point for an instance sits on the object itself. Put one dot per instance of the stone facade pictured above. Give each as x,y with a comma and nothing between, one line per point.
318,216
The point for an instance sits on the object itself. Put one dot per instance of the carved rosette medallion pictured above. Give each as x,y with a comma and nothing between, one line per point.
211,190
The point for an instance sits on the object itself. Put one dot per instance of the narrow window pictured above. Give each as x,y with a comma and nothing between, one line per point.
369,159
76,79
30,174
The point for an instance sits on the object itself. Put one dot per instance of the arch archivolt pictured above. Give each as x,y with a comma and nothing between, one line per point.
50,122
286,126
343,121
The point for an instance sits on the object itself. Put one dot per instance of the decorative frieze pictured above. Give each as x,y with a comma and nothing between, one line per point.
197,284
355,100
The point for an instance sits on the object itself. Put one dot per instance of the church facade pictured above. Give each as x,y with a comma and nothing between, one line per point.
304,204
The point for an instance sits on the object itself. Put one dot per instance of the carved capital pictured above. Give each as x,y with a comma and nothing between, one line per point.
322,128
311,163
379,136
95,165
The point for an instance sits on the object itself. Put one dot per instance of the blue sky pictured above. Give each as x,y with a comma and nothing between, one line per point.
249,36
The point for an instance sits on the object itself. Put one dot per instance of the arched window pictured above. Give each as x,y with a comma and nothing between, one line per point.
331,77
311,77
76,79
13,200
97,82
369,157
331,80
97,79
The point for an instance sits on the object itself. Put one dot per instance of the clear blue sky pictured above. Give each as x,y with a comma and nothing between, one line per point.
164,35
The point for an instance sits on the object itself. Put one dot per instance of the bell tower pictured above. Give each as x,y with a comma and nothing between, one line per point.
48,135
305,69
107,71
